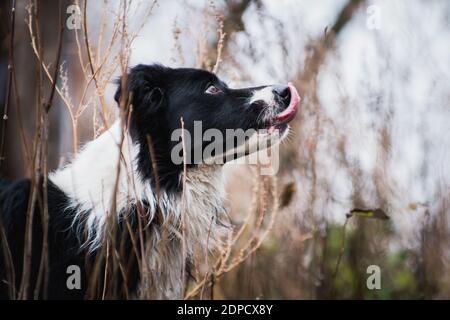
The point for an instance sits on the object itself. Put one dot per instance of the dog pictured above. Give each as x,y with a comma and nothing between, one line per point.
126,181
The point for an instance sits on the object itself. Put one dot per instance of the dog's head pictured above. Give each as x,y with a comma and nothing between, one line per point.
163,98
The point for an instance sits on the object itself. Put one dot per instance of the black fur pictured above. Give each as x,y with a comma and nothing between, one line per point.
63,243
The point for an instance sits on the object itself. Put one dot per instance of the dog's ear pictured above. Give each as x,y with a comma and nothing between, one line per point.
154,98
146,85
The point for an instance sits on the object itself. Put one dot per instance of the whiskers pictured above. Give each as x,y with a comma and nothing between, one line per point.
289,138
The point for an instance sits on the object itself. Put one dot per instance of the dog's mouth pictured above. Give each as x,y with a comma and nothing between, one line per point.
280,120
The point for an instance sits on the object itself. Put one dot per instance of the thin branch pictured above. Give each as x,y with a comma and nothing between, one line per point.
91,65
57,63
43,274
183,209
8,88
35,177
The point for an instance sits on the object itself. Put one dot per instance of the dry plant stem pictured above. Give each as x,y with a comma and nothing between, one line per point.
259,206
9,84
253,210
23,136
151,151
23,291
255,241
100,93
220,44
140,213
158,214
101,76
111,218
144,263
220,265
207,261
183,210
99,63
133,242
202,44
44,67
102,30
263,201
79,49
111,215
25,279
122,272
176,32
43,274
124,103
67,103
341,250
44,266
9,264
105,275
220,268
98,76
253,207
142,257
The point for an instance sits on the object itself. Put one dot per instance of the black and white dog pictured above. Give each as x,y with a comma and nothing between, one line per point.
146,185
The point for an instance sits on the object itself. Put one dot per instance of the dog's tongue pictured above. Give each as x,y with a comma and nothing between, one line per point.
291,110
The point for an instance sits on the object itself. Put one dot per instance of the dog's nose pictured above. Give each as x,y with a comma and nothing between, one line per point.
283,93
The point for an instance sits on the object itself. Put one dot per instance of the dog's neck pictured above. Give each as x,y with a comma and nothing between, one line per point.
93,179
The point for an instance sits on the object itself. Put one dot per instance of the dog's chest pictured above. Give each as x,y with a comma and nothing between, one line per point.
198,224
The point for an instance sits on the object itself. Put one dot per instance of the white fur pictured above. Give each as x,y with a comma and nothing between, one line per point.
266,94
89,182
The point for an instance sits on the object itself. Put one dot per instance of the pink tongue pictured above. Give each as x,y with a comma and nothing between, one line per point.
291,110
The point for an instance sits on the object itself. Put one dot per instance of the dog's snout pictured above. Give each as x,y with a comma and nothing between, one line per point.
283,93
276,97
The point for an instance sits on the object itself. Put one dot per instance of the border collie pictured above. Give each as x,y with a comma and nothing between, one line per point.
128,171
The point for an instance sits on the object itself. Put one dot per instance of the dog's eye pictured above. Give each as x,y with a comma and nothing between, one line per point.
211,89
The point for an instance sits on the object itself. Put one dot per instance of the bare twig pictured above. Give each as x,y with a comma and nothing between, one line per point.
43,274
183,209
35,177
9,84
93,72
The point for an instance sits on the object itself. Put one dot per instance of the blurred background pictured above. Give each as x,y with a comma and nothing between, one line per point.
365,174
